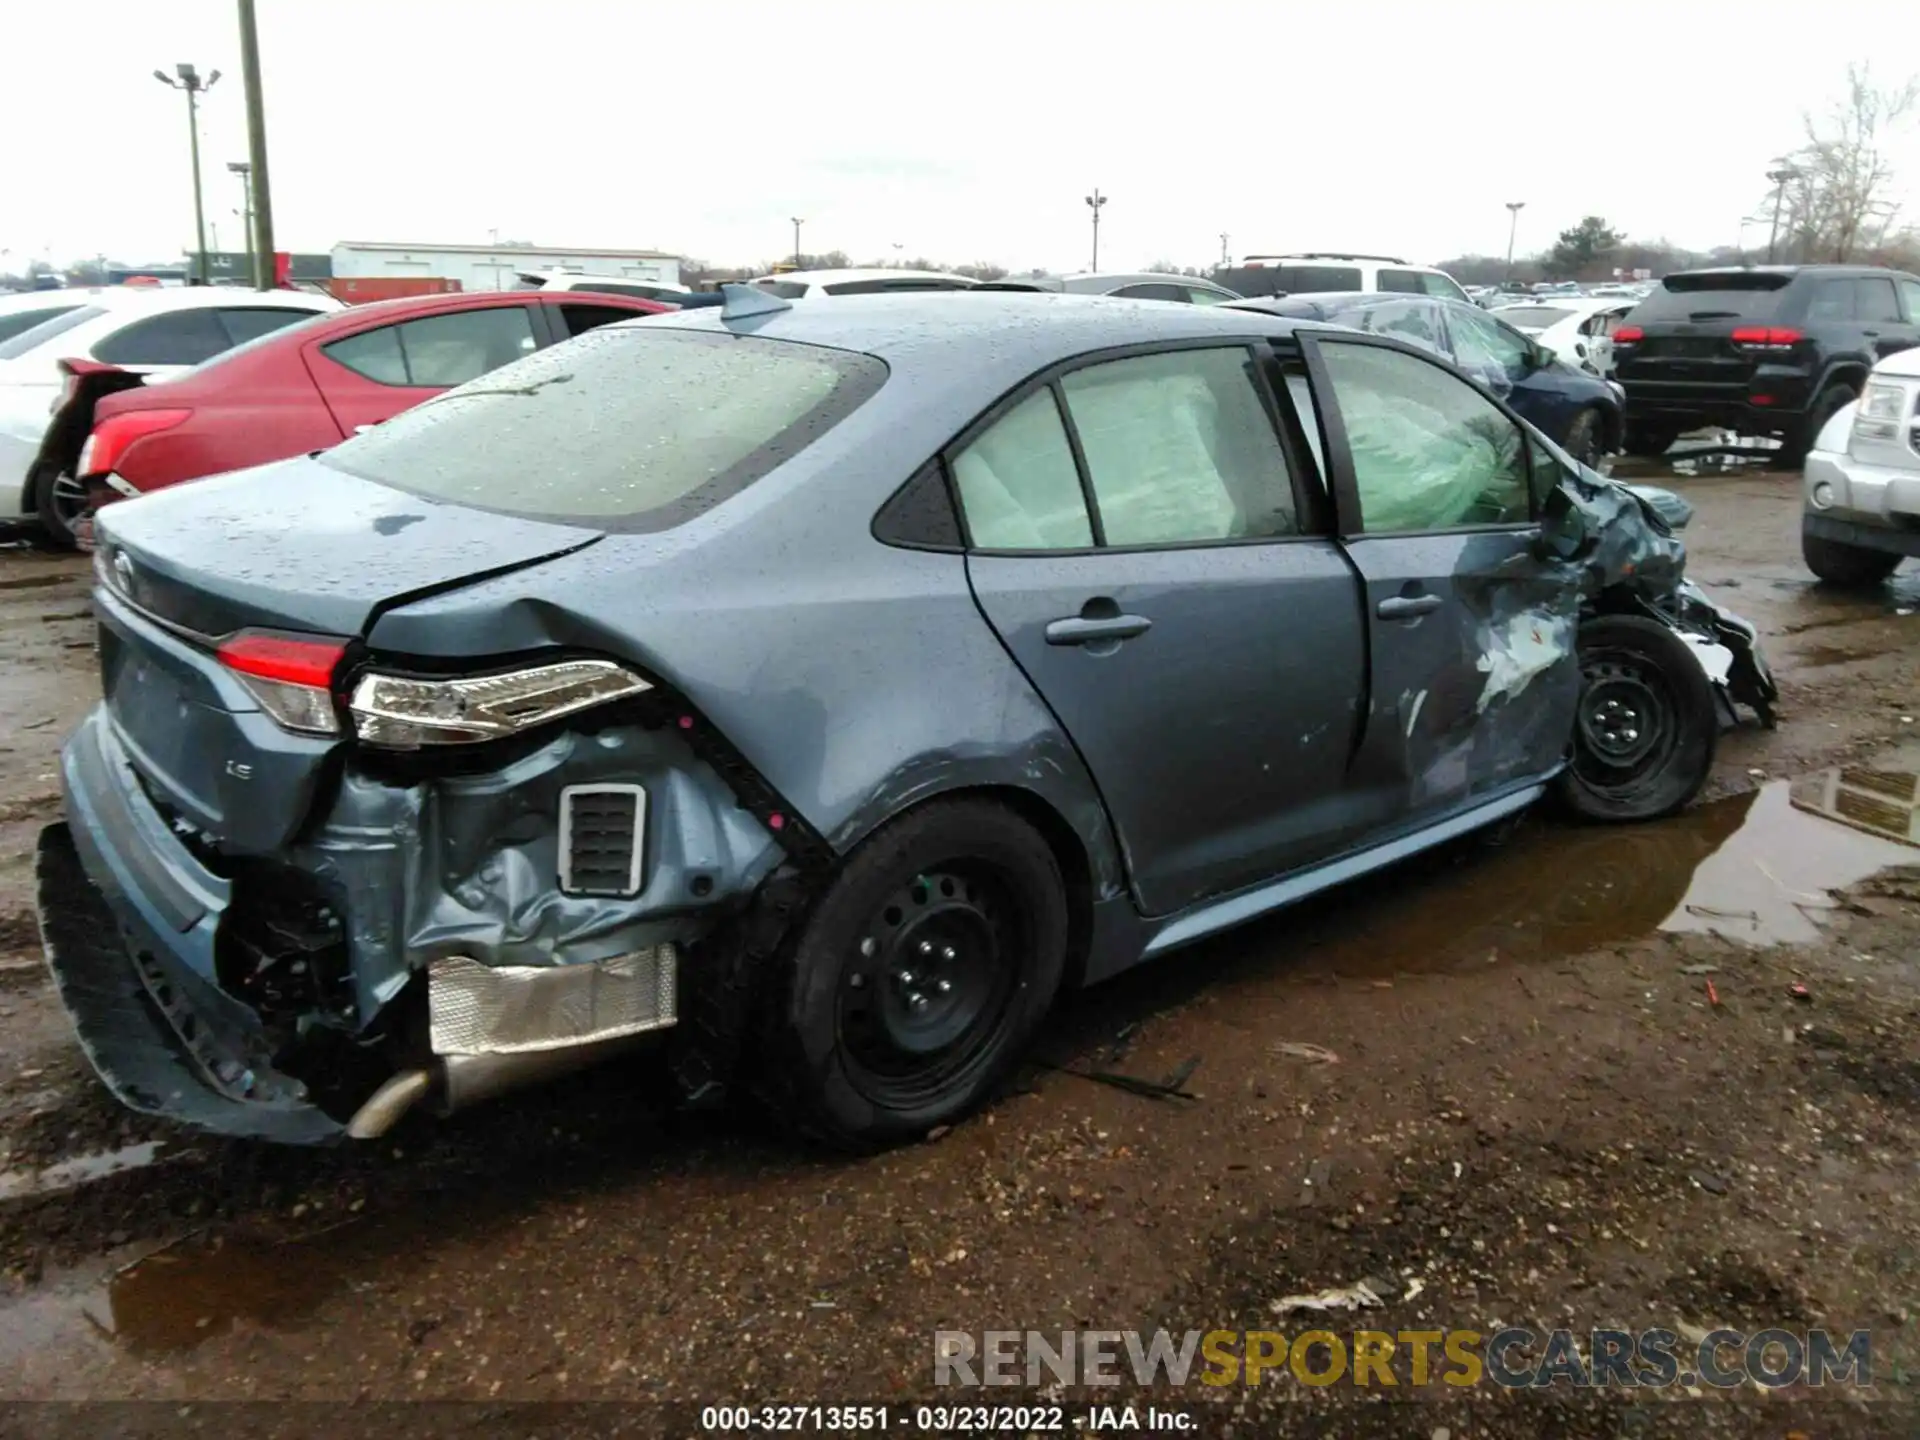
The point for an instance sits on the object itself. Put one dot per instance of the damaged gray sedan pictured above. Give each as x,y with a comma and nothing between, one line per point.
830,688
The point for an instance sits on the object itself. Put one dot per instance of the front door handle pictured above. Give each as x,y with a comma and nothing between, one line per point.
1405,607
1079,630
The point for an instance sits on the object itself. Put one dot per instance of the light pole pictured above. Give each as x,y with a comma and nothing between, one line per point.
1094,202
1223,250
186,78
1779,177
797,223
259,189
1514,207
245,172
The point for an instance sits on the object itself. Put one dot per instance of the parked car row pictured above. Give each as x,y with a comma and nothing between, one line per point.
544,716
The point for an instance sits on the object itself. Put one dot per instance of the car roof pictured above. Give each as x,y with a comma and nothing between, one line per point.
42,299
1136,277
188,297
839,277
995,337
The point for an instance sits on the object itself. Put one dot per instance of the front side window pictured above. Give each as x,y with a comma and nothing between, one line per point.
1429,451
1910,293
1486,349
1831,300
173,337
629,428
1019,487
1874,301
1180,449
1197,296
1434,282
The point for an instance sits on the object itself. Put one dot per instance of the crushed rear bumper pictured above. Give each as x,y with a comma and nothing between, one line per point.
127,920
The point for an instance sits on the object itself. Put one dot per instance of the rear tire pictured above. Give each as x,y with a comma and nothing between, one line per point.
1649,442
1794,448
1849,567
1646,728
58,507
918,978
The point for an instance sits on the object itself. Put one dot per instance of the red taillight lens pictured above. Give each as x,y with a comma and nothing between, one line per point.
1767,337
290,675
112,437
1629,335
286,658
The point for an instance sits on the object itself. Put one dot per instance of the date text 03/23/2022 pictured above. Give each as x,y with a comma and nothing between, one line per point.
944,1419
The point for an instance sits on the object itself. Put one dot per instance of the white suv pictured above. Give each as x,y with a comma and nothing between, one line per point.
1316,273
600,284
1860,497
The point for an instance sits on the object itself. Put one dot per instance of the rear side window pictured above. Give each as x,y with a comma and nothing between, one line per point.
1018,484
582,318
1831,300
610,287
173,337
255,321
30,340
1159,290
625,429
438,351
1733,295
12,325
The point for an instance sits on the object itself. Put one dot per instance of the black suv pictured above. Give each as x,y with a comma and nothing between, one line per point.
1762,350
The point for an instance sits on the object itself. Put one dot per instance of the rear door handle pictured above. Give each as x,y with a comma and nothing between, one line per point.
1405,607
1077,630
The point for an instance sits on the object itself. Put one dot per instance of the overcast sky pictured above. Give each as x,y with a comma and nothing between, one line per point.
962,132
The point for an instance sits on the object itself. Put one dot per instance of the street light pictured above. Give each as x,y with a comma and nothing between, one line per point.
245,172
1779,177
1094,202
797,223
1223,250
1514,207
186,78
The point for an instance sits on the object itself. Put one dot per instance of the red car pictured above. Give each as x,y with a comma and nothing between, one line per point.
299,389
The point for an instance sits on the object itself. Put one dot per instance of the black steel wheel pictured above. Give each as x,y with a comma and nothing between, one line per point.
1646,725
918,978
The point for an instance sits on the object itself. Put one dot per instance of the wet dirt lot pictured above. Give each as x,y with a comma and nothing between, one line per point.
1666,1076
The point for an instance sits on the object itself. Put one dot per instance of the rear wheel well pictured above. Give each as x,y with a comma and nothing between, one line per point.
1846,373
1068,852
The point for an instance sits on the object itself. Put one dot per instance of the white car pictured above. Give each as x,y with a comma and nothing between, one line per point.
811,284
1316,272
151,331
600,284
1579,329
1860,488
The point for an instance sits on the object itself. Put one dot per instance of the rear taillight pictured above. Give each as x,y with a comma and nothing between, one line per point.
1629,335
1766,337
112,437
290,675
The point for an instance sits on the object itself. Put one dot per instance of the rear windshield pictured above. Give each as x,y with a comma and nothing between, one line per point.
621,429
1734,295
35,336
889,285
1255,280
785,289
1533,317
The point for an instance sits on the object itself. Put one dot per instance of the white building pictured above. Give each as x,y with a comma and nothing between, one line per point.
492,267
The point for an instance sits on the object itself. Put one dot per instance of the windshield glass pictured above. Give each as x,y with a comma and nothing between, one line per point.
624,429
12,324
1533,317
32,339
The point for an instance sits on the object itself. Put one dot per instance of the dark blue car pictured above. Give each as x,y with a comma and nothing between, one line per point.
1581,412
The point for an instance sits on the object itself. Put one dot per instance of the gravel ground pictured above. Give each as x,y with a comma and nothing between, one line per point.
1660,1077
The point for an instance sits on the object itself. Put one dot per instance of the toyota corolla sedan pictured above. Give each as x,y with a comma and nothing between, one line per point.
830,686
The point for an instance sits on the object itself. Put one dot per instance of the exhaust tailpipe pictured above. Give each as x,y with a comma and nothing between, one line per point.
458,1081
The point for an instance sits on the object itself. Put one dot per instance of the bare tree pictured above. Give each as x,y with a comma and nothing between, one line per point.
1835,195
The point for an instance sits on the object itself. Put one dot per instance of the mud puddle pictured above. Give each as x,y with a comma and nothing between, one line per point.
1756,868
178,1297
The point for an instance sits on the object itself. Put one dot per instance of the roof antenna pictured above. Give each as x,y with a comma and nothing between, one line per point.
745,301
